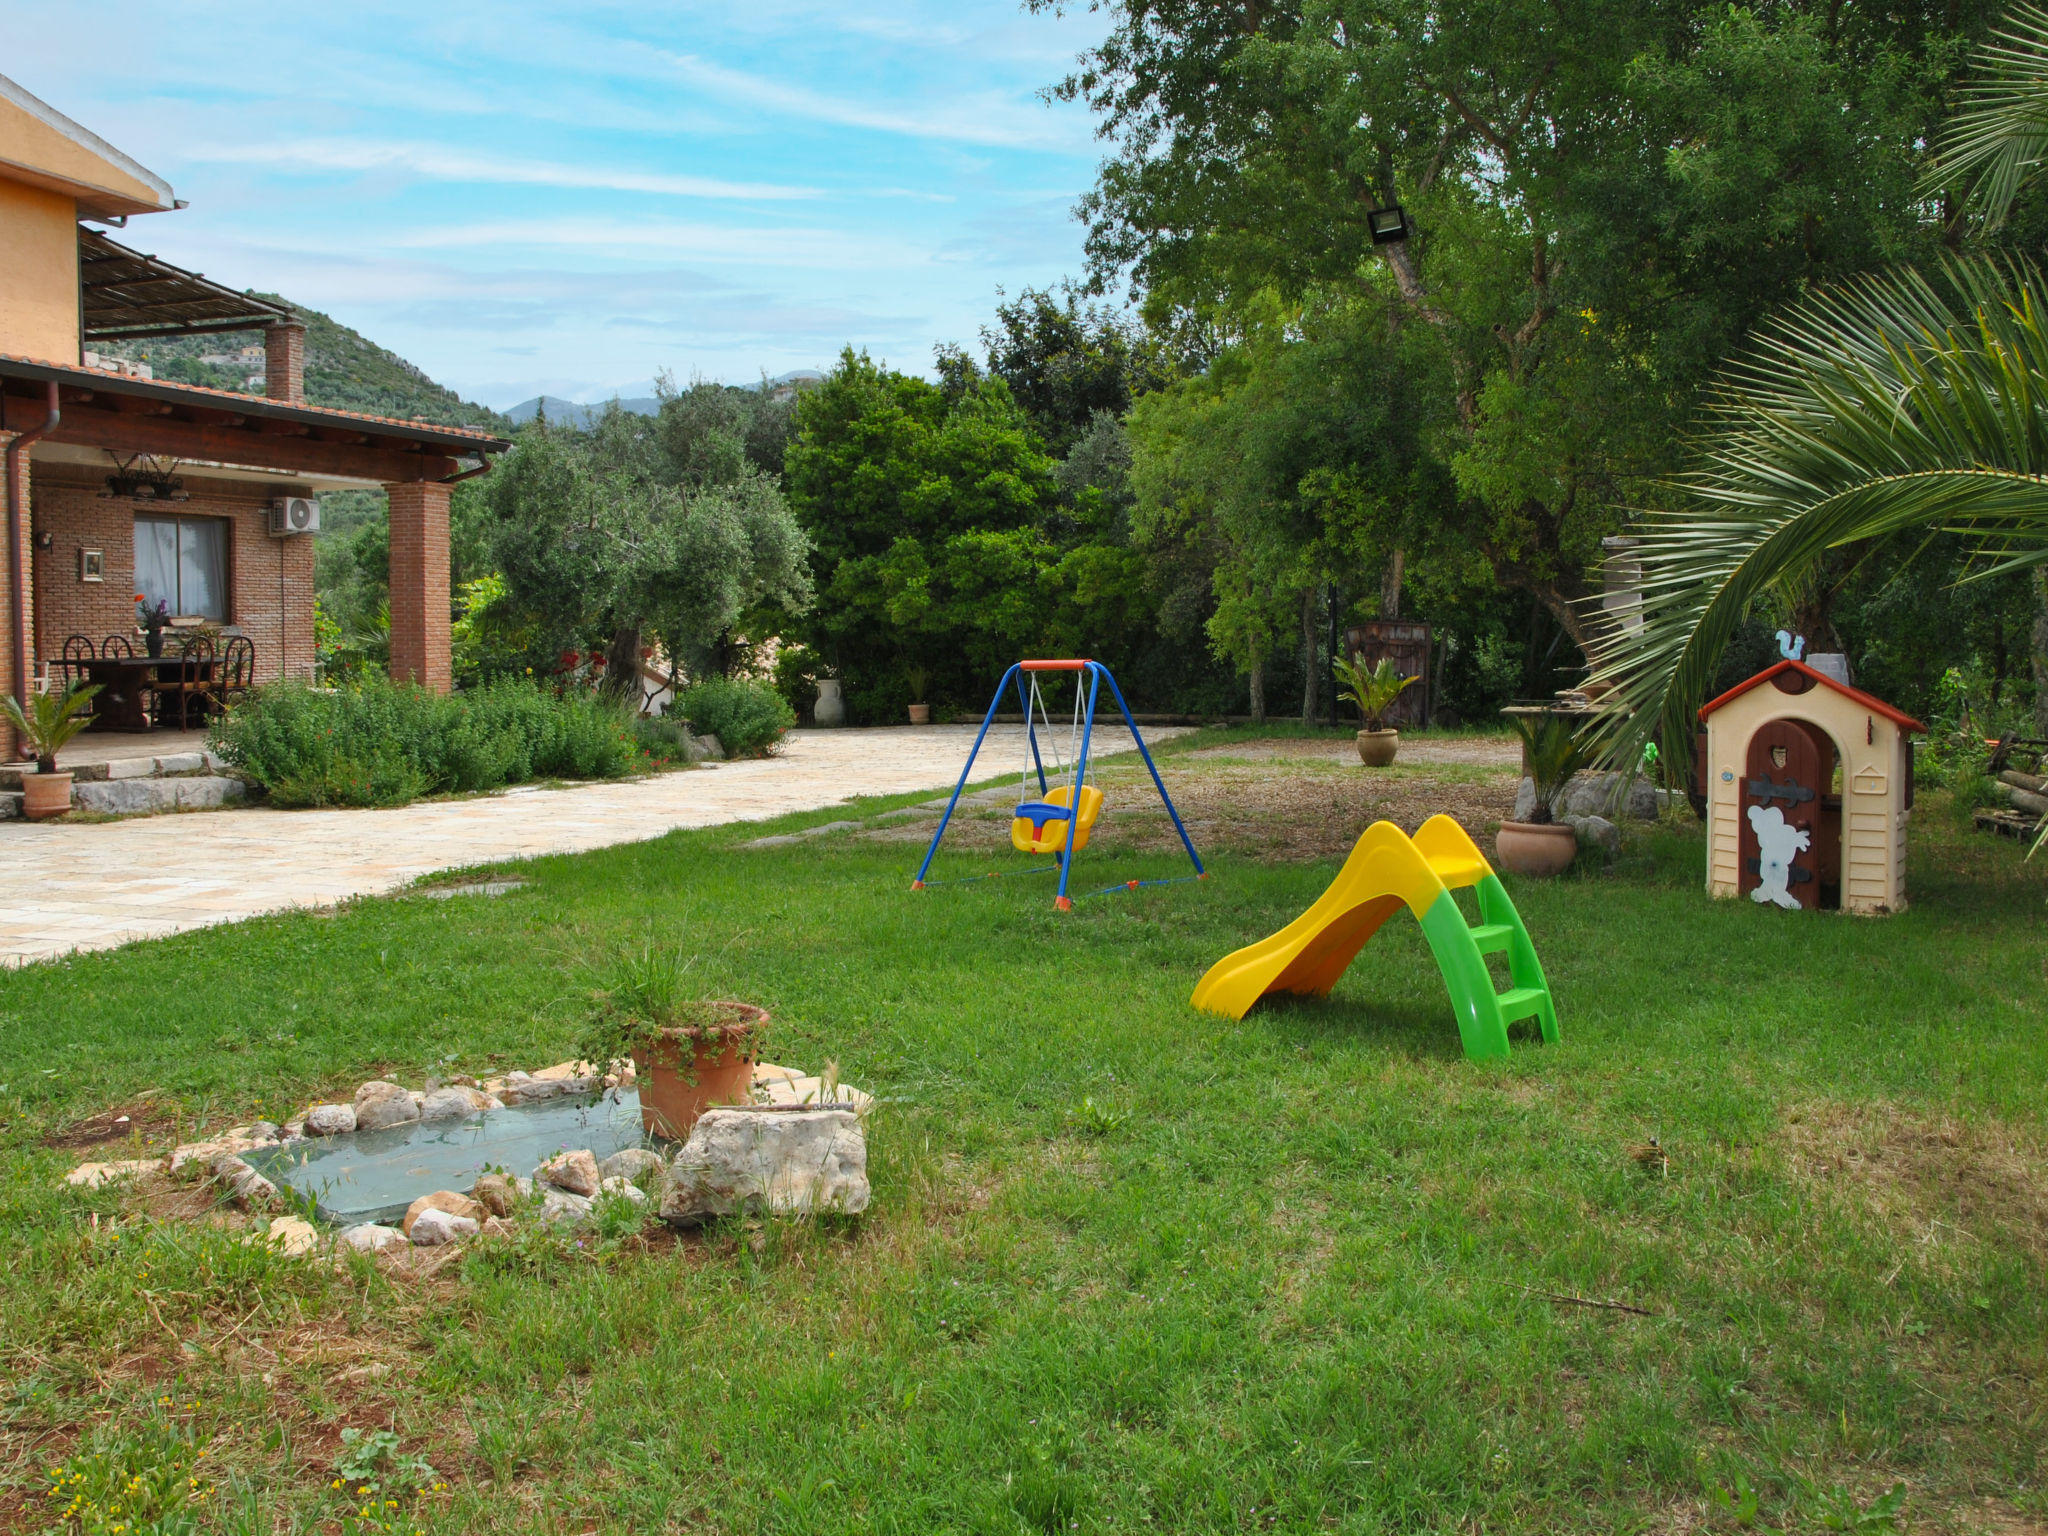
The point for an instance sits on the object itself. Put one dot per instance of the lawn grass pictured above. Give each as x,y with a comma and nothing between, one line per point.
1129,1267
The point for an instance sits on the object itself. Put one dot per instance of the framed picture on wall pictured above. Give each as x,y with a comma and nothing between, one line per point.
92,565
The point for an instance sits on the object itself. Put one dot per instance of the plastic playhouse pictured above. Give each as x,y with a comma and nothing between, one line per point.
1385,871
1808,786
1058,819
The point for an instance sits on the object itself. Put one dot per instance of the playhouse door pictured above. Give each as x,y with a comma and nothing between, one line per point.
1783,775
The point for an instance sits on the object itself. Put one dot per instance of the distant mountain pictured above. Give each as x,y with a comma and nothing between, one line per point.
345,371
569,413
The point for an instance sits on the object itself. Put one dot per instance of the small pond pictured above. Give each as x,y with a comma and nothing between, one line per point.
375,1175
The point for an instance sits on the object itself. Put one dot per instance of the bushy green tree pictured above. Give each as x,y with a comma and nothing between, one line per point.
1604,199
604,542
924,516
1295,467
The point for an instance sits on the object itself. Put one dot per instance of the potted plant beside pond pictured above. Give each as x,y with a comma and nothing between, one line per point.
688,1054
1373,690
1542,846
45,728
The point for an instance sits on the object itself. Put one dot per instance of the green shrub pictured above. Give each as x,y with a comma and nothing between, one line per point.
747,718
376,742
661,737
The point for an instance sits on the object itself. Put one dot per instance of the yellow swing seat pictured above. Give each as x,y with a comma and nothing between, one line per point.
1031,835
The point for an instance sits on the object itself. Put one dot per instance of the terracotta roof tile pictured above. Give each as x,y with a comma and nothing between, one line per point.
101,377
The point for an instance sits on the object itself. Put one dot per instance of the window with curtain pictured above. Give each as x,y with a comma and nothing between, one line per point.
182,562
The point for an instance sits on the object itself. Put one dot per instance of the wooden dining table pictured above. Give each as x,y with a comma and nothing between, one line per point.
126,681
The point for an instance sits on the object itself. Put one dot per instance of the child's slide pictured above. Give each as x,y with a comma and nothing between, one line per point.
1387,870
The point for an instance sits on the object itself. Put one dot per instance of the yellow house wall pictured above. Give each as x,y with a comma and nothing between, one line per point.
1873,791
38,273
31,146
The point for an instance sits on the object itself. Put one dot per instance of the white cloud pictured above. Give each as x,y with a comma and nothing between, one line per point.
811,248
441,164
993,118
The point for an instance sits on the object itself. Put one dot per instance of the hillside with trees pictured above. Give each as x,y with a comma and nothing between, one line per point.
345,371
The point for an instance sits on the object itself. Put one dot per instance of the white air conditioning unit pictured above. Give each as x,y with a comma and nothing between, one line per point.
294,514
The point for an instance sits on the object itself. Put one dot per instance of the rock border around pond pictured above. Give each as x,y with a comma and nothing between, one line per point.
799,1150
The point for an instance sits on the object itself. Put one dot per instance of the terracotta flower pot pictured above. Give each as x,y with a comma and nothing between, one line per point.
723,1071
920,714
44,795
1531,848
1376,749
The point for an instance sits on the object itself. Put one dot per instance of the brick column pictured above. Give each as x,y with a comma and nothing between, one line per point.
284,363
420,642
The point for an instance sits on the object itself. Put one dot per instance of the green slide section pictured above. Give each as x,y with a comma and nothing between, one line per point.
1461,949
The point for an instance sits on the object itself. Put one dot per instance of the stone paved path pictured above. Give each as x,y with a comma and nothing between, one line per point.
95,886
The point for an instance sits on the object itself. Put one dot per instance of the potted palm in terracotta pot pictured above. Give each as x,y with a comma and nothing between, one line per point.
1543,846
919,679
45,728
1373,690
688,1054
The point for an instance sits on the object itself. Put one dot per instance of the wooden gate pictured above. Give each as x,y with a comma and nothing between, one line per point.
1407,646
1790,769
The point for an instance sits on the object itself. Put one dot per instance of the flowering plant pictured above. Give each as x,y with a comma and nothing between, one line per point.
153,620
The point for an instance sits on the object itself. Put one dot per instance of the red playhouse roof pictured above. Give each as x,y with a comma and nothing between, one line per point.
1876,706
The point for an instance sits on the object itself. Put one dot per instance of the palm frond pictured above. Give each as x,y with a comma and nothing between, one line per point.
1998,137
1897,402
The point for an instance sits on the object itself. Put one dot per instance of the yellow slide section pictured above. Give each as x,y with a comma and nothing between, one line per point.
1386,871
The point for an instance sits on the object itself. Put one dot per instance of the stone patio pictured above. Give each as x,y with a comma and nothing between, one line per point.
84,887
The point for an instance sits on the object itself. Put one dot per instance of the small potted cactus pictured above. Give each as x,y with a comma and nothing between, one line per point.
1373,690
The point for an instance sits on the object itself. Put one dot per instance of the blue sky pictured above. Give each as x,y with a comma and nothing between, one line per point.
568,197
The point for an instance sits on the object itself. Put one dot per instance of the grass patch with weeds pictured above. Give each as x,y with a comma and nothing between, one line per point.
1129,1267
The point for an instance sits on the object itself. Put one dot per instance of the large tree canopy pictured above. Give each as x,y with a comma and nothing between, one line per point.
1606,195
659,528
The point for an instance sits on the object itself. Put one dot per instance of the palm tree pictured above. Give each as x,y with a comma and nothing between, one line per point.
1902,401
1998,139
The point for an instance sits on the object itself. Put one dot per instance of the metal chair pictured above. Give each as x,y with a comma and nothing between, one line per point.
77,648
191,683
116,645
236,673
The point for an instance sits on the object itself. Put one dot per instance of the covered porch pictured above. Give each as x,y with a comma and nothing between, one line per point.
129,496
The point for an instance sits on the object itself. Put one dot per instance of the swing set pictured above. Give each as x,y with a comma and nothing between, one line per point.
1060,819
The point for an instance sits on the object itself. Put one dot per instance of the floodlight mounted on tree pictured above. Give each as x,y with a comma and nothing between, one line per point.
1387,225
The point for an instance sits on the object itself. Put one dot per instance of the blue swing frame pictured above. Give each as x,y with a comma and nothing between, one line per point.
1040,812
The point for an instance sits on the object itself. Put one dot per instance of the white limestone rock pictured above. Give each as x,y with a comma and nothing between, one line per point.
93,1175
575,1172
622,1189
380,1104
330,1119
566,1209
293,1236
433,1228
246,1187
455,1104
631,1164
789,1162
371,1237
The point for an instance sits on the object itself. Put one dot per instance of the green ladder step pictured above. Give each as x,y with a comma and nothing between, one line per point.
1492,938
1521,1002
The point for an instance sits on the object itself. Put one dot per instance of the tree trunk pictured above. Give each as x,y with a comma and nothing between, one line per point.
622,665
1258,681
1309,670
1390,584
2040,648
